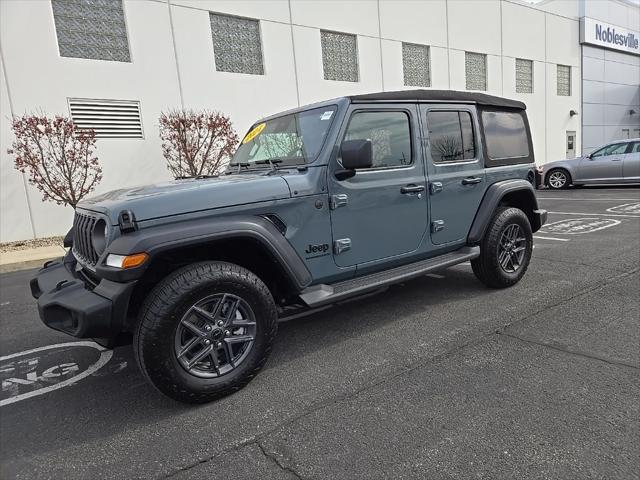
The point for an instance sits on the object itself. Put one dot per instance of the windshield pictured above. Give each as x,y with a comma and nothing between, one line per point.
291,139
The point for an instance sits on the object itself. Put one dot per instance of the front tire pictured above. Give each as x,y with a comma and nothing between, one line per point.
205,331
558,179
505,250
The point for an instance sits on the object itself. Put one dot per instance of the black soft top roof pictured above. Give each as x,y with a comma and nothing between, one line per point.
449,96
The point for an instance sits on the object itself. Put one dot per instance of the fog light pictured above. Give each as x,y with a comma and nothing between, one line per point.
126,261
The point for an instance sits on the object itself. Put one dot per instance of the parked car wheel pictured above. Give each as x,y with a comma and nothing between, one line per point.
558,179
505,250
205,331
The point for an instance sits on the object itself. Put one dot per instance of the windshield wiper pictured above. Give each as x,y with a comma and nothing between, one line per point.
197,177
273,163
239,165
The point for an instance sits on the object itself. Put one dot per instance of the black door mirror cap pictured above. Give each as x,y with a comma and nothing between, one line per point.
356,154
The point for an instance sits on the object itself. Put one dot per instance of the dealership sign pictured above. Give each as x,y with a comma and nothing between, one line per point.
595,32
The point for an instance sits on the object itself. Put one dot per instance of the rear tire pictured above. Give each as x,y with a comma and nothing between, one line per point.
505,250
215,309
558,179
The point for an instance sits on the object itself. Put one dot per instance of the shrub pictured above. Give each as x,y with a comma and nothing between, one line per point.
58,157
196,143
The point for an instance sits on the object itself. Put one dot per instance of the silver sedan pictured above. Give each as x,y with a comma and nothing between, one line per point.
615,162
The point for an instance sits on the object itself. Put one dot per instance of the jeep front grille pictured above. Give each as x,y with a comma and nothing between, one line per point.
82,245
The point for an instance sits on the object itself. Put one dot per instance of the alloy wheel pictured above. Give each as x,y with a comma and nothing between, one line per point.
215,335
557,179
511,248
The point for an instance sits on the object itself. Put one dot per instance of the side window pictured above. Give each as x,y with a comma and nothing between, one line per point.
451,136
615,149
618,149
505,135
390,136
635,147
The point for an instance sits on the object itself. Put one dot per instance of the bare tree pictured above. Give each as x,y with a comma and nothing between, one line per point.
57,156
449,148
196,143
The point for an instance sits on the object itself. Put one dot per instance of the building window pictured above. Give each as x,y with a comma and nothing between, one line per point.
564,80
451,136
109,118
93,29
339,56
390,136
475,70
524,76
415,64
236,44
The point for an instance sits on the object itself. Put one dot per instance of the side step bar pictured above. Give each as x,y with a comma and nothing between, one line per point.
318,295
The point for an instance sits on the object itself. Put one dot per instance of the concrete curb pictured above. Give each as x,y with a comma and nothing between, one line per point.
25,259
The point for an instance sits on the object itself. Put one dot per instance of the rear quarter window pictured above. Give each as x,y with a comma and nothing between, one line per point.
506,138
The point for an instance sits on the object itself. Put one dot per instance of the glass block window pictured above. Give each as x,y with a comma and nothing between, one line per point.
93,29
475,67
564,80
339,56
236,44
415,64
524,76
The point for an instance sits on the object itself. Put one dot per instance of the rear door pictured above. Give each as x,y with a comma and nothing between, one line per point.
455,170
631,163
604,164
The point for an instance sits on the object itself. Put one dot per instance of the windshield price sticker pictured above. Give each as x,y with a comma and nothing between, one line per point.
253,133
327,115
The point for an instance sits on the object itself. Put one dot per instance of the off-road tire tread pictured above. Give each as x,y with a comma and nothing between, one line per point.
162,300
486,266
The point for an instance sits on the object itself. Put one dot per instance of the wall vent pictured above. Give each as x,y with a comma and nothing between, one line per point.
109,118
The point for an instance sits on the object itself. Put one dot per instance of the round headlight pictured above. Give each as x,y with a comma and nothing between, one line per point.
99,236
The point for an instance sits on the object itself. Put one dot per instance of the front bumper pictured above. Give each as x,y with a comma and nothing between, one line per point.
68,304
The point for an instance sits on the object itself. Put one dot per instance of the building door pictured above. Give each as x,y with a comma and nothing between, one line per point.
381,211
571,144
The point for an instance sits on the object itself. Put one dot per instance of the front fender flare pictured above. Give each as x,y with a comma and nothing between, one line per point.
491,200
156,240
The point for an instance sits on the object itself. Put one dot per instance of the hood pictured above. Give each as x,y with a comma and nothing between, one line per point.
188,195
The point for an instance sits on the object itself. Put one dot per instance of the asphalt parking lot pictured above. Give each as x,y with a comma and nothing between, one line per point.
437,378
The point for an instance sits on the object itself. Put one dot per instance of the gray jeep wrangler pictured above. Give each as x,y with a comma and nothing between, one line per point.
319,204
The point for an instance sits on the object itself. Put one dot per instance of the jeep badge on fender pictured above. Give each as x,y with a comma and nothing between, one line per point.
322,248
210,263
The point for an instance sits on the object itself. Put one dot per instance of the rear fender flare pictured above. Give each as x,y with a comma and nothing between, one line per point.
492,199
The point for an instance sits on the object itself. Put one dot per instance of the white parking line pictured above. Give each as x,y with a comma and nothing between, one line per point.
595,214
551,238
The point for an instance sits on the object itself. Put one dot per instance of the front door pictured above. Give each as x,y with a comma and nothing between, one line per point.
631,163
604,164
381,211
571,144
455,170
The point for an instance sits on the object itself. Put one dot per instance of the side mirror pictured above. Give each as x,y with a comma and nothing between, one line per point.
356,154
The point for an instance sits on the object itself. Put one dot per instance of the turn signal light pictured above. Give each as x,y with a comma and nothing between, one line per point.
126,261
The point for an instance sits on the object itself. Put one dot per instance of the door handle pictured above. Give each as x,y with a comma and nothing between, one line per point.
412,189
471,180
616,159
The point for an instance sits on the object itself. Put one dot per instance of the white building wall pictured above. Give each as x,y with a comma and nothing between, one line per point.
174,67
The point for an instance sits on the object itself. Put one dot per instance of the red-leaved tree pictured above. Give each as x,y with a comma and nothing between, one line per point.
58,158
196,143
